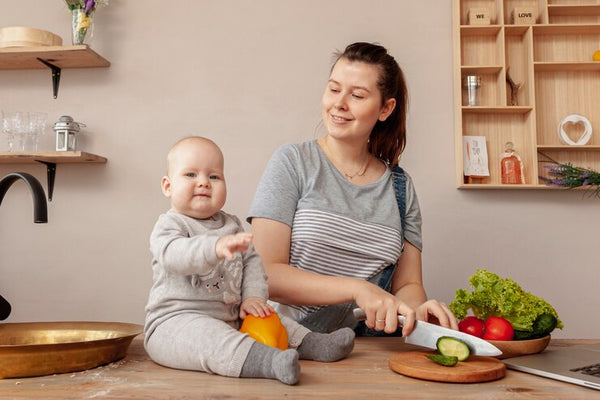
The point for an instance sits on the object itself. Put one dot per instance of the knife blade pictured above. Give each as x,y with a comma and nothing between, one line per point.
426,334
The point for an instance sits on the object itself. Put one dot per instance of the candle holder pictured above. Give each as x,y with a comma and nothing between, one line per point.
66,133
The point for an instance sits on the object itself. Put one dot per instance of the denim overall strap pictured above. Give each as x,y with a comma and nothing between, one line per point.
386,281
400,190
330,318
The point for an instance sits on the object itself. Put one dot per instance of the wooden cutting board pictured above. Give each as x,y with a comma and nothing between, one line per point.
476,369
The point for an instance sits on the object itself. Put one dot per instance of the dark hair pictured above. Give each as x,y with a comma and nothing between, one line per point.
388,138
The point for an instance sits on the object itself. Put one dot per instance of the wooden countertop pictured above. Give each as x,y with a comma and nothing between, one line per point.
363,375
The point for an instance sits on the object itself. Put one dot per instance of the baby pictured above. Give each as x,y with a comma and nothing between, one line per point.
207,278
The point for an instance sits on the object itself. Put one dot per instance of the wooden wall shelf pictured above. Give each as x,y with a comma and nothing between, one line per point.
50,159
592,66
57,157
584,148
62,56
496,110
551,59
54,57
572,10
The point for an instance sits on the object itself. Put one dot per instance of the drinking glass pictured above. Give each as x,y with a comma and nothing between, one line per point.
8,128
37,127
21,127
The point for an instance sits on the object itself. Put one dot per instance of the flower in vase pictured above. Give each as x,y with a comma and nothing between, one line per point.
82,11
88,6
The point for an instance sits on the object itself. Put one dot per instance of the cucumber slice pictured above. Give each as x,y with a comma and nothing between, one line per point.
446,361
450,346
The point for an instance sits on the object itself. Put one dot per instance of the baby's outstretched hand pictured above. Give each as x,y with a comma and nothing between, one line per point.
255,306
227,245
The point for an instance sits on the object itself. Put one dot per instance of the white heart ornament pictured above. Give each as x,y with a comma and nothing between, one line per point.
575,124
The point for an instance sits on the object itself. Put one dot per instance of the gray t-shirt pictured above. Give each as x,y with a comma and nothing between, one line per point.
338,228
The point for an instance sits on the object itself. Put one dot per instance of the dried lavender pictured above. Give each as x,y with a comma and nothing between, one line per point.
569,176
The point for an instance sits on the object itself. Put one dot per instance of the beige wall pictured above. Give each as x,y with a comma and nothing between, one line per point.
249,74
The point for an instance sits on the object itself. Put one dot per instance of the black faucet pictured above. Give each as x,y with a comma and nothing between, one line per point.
40,213
40,207
5,308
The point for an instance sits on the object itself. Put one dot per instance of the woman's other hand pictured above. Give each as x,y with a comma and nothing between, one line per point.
438,313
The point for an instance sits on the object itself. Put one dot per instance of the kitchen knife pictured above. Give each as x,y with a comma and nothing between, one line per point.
426,335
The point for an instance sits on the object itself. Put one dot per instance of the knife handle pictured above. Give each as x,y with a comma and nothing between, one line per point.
360,315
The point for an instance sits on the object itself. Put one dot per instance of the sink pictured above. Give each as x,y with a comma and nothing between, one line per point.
45,348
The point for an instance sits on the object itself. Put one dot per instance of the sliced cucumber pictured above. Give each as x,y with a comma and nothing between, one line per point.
450,346
446,361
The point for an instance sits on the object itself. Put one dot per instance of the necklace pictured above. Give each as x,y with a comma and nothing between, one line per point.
360,172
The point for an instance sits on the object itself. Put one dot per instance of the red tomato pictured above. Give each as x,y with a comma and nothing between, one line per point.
472,325
498,328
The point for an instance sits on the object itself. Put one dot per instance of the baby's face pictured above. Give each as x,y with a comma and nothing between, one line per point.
195,182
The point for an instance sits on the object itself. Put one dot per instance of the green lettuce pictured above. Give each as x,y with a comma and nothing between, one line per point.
494,296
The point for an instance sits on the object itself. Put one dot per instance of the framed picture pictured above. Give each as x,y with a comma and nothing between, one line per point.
475,161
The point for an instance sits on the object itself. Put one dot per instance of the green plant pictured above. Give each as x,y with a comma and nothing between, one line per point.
569,176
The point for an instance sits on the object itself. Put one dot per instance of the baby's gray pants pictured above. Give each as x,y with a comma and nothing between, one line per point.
202,343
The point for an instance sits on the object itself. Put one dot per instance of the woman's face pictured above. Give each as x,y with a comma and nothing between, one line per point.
351,103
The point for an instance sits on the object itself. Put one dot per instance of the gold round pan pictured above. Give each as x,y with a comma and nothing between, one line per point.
45,348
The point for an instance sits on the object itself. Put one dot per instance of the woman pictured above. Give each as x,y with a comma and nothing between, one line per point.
325,217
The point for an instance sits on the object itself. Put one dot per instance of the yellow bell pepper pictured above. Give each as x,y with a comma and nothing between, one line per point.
268,330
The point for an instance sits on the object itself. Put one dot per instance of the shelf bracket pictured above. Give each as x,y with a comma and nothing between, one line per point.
55,76
51,173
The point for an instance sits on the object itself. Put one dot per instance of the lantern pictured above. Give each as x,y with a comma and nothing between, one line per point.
66,129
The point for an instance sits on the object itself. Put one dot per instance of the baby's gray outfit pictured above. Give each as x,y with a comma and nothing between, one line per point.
192,315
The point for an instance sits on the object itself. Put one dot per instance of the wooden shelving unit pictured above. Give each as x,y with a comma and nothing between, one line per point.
54,57
57,157
50,159
62,56
551,59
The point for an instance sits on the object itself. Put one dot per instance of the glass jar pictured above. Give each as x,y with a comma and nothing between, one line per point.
511,166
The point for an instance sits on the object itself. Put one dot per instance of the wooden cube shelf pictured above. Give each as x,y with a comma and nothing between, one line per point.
550,59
